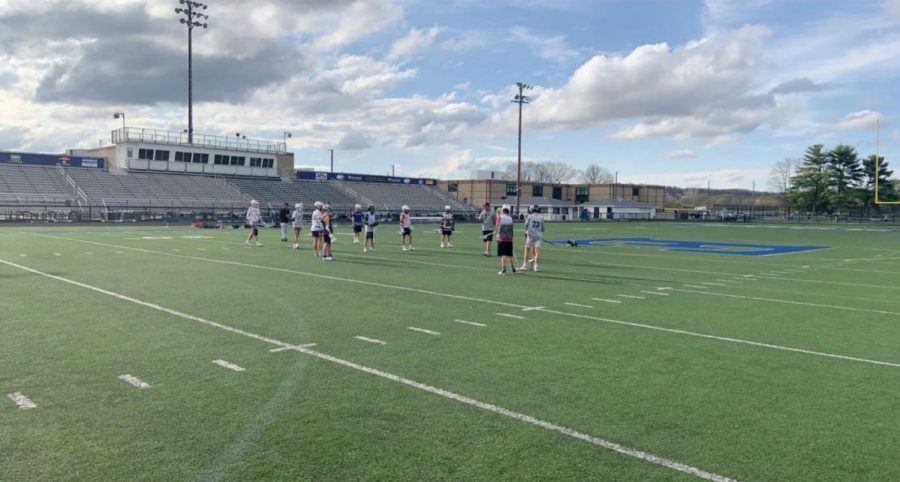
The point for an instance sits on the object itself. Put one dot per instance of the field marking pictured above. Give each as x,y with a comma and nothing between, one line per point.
599,442
578,305
657,293
697,286
21,401
228,365
119,252
277,350
133,380
23,255
606,300
512,316
533,308
470,323
423,330
561,313
633,297
363,338
790,302
708,283
88,253
56,254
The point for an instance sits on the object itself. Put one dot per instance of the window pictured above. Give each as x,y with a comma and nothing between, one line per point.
255,162
201,158
581,194
270,163
510,189
557,192
182,157
635,191
145,154
221,160
237,160
162,155
537,190
454,187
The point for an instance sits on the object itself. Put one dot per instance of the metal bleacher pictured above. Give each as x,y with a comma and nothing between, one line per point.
23,184
154,189
274,192
419,198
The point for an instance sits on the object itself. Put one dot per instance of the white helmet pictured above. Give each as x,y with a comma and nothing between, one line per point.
254,202
405,208
298,206
318,205
507,207
447,208
357,207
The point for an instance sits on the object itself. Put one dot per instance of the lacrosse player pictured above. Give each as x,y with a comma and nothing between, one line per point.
326,235
357,216
284,219
316,227
254,217
505,241
371,222
446,227
488,221
534,234
406,229
297,221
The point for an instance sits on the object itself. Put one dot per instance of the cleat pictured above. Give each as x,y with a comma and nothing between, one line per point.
411,248
247,243
502,273
535,268
258,243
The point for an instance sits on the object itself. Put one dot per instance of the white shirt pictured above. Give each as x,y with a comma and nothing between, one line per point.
317,220
297,216
370,221
253,215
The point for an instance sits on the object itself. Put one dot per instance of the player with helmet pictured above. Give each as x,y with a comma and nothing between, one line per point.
357,216
447,224
254,219
505,241
316,227
406,229
371,221
297,222
534,235
326,236
284,219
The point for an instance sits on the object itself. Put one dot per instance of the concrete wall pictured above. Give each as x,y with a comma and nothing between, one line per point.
476,192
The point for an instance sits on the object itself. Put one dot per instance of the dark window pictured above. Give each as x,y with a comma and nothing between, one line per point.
255,162
268,163
452,187
217,159
557,192
537,190
201,158
237,160
635,191
510,189
162,155
179,156
145,154
581,194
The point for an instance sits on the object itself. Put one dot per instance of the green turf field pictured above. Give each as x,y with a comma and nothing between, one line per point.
697,365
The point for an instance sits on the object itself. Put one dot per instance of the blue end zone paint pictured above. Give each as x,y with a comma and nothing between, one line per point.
734,249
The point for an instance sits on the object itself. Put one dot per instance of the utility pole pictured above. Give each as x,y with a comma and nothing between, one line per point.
332,160
520,99
116,115
392,170
191,20
286,135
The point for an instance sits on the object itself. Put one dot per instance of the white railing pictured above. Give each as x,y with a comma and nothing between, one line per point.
154,136
355,196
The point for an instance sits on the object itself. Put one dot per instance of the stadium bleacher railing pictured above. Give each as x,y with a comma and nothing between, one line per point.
153,136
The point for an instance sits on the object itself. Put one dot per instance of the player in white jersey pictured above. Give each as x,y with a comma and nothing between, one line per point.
488,224
254,218
326,236
316,228
446,227
371,221
406,229
534,235
297,222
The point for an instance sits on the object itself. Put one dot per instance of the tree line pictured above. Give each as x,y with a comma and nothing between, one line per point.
555,172
832,180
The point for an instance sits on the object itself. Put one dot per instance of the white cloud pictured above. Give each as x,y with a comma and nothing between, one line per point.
554,48
738,178
681,154
414,42
465,42
862,120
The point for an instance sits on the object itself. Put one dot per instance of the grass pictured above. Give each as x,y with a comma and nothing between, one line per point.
743,411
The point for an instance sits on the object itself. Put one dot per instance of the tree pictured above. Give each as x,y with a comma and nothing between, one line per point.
885,186
555,172
594,174
810,185
844,172
780,177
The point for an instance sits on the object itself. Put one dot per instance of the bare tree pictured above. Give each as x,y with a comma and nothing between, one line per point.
780,175
594,174
555,172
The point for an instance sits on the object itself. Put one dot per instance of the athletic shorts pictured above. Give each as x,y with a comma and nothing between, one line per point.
297,230
357,228
533,242
504,249
407,231
326,237
370,235
446,231
317,234
487,235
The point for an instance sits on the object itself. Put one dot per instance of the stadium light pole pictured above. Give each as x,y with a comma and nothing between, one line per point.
191,18
286,135
520,99
332,160
116,115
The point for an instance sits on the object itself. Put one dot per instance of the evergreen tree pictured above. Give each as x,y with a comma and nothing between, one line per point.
885,186
845,173
810,185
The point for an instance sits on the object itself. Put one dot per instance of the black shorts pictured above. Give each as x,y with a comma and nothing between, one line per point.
316,234
446,231
297,230
255,231
487,235
504,249
370,235
326,237
357,228
407,231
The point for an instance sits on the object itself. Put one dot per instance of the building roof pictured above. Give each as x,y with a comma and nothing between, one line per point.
529,200
618,203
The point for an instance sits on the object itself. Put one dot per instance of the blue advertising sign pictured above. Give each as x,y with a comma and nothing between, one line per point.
342,176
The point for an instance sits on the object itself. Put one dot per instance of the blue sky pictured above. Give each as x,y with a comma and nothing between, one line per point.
677,92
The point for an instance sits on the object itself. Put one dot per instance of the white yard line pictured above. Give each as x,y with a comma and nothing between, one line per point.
56,254
21,401
633,297
228,365
133,380
790,302
370,340
23,255
578,305
697,286
423,330
613,446
606,300
470,323
657,293
277,350
511,316
708,283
